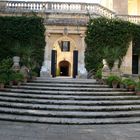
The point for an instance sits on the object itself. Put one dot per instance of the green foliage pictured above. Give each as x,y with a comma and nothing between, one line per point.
5,69
138,86
113,78
98,74
5,65
11,76
129,82
18,77
3,78
20,35
108,39
33,73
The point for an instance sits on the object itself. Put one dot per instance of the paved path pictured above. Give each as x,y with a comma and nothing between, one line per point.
31,131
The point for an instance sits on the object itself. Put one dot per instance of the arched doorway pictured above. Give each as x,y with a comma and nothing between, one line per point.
64,67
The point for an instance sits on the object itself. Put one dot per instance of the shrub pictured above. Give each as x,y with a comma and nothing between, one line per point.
18,77
33,73
113,78
138,86
3,78
129,82
22,36
11,76
98,74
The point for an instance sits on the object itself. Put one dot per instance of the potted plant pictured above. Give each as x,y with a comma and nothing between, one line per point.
130,84
113,81
3,80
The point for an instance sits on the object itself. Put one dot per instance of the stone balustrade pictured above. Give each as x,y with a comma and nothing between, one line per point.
134,19
63,7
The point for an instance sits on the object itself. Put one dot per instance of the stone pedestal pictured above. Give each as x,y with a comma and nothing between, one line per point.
46,69
82,72
115,70
107,72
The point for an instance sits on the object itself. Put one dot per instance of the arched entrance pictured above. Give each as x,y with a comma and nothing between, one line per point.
64,67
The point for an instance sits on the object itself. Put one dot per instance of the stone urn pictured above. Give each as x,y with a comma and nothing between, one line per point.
16,60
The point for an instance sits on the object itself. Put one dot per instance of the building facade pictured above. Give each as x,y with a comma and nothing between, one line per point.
123,7
65,25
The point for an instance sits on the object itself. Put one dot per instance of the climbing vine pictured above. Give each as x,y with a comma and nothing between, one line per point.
22,36
108,39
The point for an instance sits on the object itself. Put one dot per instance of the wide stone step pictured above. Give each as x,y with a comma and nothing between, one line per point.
69,107
64,79
73,81
66,85
71,114
69,102
68,97
67,88
82,121
74,93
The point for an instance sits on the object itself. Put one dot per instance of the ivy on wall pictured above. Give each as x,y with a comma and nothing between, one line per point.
22,36
108,39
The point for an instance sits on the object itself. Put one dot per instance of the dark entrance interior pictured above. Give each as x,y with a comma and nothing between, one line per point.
63,71
135,61
64,68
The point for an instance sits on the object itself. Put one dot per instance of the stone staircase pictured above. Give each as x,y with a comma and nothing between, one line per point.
68,101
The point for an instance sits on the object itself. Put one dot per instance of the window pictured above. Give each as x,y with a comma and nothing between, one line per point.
65,46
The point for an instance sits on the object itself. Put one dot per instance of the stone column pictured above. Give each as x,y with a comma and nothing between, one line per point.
126,67
82,72
46,68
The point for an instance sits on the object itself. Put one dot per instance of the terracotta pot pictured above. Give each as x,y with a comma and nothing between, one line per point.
131,88
114,84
